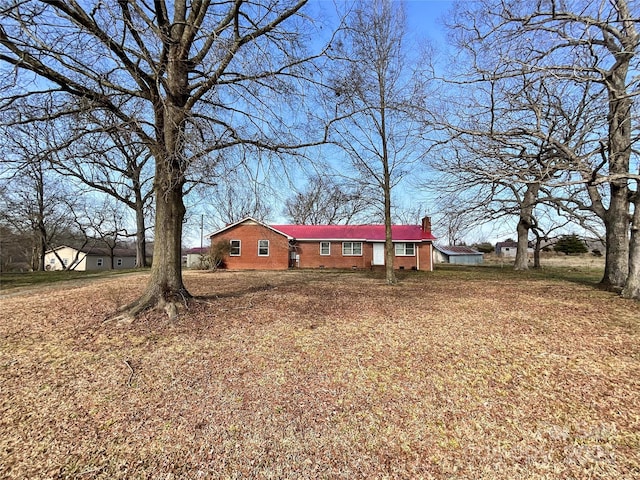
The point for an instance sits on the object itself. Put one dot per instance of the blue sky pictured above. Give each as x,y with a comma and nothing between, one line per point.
424,18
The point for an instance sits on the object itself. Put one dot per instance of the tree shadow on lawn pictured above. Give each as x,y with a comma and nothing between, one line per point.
237,293
585,276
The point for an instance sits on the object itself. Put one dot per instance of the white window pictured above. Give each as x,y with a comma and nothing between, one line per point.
52,261
99,262
325,248
405,249
235,248
65,261
263,248
119,262
351,248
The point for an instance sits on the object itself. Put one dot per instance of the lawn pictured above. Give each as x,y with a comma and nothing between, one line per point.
459,373
10,280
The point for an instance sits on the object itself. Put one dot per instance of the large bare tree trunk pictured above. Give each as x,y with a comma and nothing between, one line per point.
165,288
141,241
632,286
388,247
41,246
617,246
522,254
536,253
41,227
524,225
619,154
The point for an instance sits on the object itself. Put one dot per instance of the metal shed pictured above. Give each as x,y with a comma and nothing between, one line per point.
457,254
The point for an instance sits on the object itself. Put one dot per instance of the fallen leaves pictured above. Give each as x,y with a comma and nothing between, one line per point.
323,375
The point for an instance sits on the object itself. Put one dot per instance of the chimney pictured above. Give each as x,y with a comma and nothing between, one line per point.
426,225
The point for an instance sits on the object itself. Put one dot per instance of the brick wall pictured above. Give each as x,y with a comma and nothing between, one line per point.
425,252
310,257
309,251
405,262
249,234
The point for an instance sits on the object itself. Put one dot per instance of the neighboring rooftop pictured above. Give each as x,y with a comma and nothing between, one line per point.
100,251
458,250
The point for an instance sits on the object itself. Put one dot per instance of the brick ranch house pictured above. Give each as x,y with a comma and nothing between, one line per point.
258,246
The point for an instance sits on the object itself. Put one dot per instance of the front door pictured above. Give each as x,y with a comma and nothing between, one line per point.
378,254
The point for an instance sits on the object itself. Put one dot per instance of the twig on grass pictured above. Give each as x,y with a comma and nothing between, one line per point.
248,306
244,307
360,366
91,471
126,362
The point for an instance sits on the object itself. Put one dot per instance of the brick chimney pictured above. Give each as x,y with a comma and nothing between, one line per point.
426,225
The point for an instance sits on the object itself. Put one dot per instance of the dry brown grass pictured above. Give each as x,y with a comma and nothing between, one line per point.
552,259
324,375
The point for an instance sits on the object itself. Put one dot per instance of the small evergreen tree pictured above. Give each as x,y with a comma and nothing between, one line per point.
570,245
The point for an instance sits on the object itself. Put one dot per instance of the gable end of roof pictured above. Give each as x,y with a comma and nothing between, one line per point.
249,221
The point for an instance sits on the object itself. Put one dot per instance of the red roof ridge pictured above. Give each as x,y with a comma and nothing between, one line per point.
345,232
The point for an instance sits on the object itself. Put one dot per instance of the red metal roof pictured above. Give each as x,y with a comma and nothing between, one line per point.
371,233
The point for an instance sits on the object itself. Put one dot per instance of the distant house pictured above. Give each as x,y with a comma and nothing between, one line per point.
88,258
256,245
193,257
509,248
457,254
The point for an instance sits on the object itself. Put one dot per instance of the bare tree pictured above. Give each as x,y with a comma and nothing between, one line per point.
592,46
376,97
455,219
107,225
325,202
489,192
35,203
107,157
12,252
550,220
238,196
186,78
508,146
